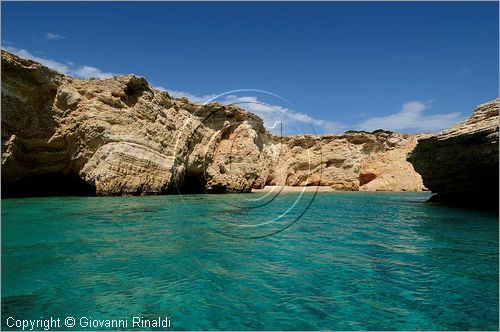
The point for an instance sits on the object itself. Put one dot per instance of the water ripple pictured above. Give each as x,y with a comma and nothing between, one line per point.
354,261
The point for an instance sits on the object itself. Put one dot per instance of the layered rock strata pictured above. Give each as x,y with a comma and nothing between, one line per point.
120,136
460,164
352,161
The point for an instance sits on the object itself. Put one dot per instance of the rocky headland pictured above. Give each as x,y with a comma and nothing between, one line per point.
460,165
120,136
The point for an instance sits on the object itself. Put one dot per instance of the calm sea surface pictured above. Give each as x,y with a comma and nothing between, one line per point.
341,261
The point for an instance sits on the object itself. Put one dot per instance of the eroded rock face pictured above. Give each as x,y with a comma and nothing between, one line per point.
353,161
120,136
460,164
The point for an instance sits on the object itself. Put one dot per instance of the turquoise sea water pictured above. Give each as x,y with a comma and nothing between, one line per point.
352,261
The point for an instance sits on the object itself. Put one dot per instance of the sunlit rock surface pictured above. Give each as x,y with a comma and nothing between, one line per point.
120,136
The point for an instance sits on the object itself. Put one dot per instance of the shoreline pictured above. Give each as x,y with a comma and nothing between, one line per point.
287,189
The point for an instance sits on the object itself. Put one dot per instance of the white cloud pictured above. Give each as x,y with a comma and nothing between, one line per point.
88,72
69,68
190,96
53,36
411,117
292,121
61,67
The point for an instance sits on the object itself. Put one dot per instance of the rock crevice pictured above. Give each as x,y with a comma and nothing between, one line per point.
120,136
460,164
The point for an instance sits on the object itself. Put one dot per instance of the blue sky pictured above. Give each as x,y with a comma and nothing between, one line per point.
409,67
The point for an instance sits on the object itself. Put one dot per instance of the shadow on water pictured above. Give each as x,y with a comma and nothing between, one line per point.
54,184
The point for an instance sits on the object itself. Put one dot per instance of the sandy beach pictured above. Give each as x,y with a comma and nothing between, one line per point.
293,189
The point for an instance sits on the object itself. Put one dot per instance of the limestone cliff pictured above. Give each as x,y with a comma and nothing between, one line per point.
352,161
460,164
118,136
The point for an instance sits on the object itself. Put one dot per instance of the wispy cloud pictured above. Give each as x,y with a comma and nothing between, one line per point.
463,72
88,71
411,117
194,98
292,121
68,68
53,36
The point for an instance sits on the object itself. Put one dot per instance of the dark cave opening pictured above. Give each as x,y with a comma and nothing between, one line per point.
192,185
53,184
